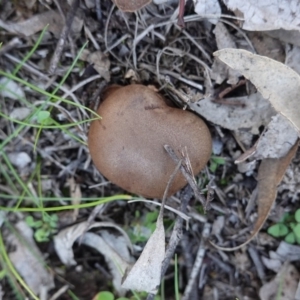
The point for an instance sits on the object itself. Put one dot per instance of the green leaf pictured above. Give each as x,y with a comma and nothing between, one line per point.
218,160
297,215
151,217
41,235
278,230
122,298
297,231
30,221
105,296
290,238
213,166
42,116
287,217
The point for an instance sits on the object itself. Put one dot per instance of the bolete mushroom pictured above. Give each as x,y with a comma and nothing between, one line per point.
127,144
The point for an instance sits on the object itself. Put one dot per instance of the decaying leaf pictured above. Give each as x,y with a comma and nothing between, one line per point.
28,260
283,286
286,36
267,14
116,254
275,141
11,89
293,57
247,112
220,71
65,239
100,62
267,45
132,5
145,275
38,22
207,9
275,81
115,249
270,174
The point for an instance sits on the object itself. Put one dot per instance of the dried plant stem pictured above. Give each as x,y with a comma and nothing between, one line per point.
188,176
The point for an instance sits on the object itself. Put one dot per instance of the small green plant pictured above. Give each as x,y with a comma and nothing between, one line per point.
215,162
142,227
44,228
288,227
110,296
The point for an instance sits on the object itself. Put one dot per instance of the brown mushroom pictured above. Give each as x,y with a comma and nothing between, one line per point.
127,144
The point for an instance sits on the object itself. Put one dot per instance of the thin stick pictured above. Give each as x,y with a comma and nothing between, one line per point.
63,36
168,187
198,262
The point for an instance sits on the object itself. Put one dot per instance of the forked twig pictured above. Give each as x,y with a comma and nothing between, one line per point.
186,172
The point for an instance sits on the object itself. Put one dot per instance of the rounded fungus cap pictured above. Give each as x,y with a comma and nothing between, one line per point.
127,144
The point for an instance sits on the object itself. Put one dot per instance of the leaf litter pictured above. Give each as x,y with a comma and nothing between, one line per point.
244,115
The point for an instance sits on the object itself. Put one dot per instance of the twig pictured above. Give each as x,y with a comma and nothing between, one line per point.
189,260
98,10
64,33
190,179
198,262
258,264
175,236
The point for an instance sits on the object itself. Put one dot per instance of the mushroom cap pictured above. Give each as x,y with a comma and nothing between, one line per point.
127,144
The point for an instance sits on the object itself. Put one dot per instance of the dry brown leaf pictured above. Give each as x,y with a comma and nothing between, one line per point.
275,81
132,5
270,174
283,286
100,62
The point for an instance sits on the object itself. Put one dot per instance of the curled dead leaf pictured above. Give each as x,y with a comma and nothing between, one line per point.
283,286
278,83
270,174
